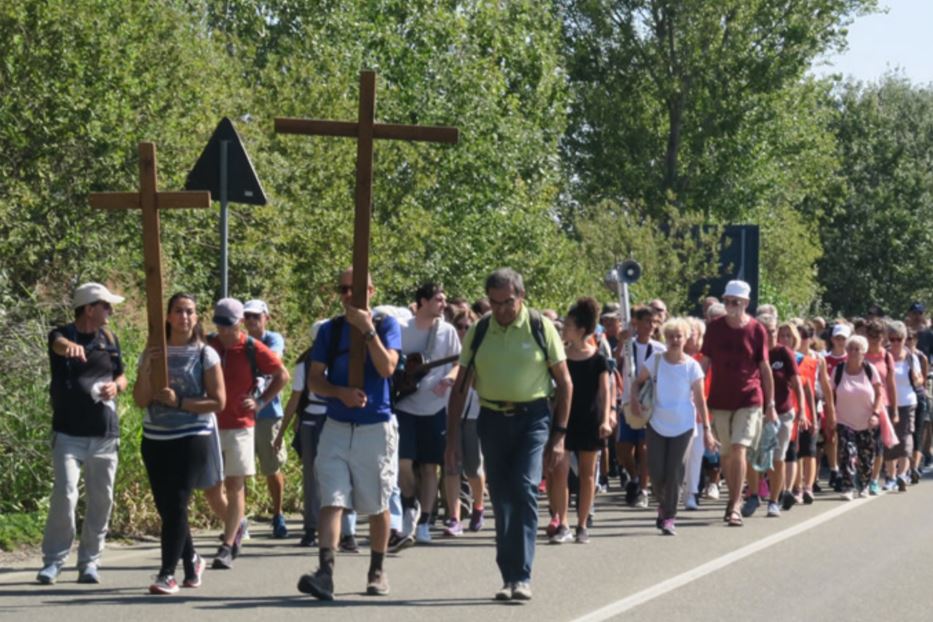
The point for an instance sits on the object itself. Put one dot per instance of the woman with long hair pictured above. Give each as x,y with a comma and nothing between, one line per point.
179,434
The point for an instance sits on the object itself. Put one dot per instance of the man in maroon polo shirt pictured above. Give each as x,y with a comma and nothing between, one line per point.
736,349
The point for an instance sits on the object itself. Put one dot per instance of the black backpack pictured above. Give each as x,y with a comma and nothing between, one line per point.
333,350
250,347
837,373
537,331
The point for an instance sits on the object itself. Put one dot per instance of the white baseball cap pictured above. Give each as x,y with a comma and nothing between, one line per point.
842,330
256,306
89,293
738,289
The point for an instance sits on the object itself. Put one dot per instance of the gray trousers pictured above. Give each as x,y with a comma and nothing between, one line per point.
667,457
310,434
98,457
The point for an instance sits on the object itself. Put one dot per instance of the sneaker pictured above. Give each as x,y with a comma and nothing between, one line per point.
505,592
195,579
242,532
901,484
88,574
582,536
817,487
164,584
807,497
377,584
690,502
589,521
309,539
788,500
642,500
410,518
751,504
453,529
712,491
668,527
423,533
223,560
552,527
848,495
560,536
521,590
320,585
914,476
476,519
398,542
348,544
890,484
834,482
764,491
873,488
49,573
631,492
774,510
279,528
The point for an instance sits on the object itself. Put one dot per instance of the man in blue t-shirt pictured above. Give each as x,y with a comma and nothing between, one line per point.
269,419
354,465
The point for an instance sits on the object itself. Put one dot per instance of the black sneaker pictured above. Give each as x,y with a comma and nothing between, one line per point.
348,544
631,492
788,500
224,558
309,539
914,476
320,584
397,542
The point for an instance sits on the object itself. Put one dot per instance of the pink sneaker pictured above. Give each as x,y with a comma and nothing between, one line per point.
453,529
553,526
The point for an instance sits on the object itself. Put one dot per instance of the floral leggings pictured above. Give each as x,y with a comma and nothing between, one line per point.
856,452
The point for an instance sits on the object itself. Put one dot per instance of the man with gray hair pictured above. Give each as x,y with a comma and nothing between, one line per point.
87,376
513,355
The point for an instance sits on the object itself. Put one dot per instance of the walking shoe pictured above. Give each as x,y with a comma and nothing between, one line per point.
890,485
642,500
521,590
309,539
582,536
505,592
807,497
764,491
690,502
423,533
788,500
377,584
398,542
668,528
873,488
552,527
712,491
88,574
847,495
49,573
774,510
631,492
604,483
195,579
901,484
561,535
279,528
914,476
817,487
348,544
751,504
476,519
589,521
453,529
164,584
834,482
242,533
320,584
223,560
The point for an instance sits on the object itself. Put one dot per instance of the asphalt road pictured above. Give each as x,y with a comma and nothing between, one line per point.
866,559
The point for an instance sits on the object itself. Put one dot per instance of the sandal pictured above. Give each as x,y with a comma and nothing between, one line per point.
734,519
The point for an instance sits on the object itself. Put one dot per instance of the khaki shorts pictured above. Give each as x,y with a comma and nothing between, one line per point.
270,461
237,448
356,465
737,427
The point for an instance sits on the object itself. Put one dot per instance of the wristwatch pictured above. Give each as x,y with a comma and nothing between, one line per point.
369,335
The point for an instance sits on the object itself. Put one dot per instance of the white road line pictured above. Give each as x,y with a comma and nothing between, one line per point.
659,589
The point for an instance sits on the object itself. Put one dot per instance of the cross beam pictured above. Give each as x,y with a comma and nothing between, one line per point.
365,130
150,201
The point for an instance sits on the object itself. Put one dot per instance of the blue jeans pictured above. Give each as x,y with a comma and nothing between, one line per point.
513,447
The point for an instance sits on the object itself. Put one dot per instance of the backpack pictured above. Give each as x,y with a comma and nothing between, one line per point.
333,350
837,373
250,348
537,331
303,399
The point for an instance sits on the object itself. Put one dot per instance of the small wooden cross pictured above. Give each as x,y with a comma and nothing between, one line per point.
364,130
150,201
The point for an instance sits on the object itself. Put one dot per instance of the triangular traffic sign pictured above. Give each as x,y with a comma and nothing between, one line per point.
242,182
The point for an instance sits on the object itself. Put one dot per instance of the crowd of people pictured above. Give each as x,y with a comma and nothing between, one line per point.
458,403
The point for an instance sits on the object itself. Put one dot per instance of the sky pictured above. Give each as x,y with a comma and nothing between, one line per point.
900,39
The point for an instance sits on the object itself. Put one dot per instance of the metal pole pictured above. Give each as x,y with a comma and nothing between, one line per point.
224,290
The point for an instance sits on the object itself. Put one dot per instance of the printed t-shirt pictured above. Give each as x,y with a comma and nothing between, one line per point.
783,369
424,402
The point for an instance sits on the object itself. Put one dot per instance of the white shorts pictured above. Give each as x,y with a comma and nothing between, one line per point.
239,452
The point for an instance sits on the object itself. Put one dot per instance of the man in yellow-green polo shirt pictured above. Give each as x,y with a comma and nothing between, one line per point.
516,366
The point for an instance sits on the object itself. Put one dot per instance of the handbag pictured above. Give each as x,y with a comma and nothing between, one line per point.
647,396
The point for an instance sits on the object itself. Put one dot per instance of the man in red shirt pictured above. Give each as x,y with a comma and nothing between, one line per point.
238,418
736,349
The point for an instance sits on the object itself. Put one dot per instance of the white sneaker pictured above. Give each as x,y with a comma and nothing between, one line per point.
423,533
847,495
712,491
409,519
642,500
690,502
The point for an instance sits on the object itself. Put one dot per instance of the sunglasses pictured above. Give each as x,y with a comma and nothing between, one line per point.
251,316
895,339
344,289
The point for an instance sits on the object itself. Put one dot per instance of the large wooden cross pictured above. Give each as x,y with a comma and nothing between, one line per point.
365,129
150,201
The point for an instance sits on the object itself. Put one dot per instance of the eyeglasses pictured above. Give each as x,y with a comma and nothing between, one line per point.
344,289
502,303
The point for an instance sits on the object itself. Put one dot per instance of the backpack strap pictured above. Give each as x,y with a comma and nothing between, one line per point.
479,333
250,349
333,345
537,330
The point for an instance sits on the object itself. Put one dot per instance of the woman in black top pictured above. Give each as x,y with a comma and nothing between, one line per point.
589,425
